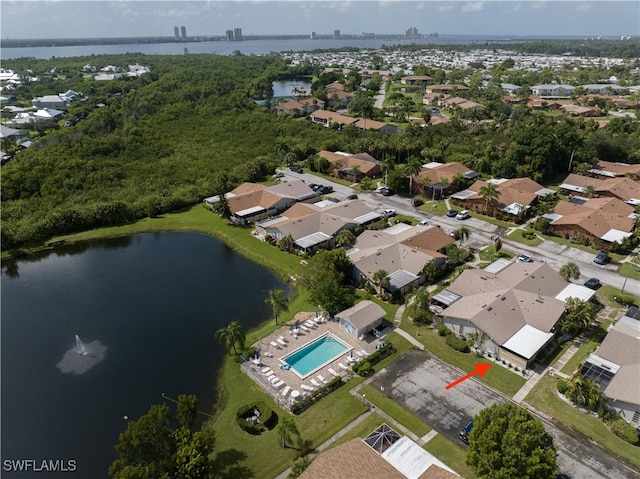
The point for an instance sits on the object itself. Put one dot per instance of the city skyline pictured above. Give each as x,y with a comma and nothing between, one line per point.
138,18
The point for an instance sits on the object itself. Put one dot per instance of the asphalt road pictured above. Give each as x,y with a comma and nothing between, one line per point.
417,381
482,234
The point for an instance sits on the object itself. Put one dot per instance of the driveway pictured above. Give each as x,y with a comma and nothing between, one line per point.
418,380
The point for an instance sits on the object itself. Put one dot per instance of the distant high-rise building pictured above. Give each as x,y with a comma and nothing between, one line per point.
313,35
411,32
229,35
237,34
336,34
183,32
176,33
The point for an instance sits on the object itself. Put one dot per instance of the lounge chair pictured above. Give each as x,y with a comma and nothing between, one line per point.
266,370
280,341
343,367
310,324
333,371
285,391
279,384
351,359
283,338
270,376
275,345
274,379
304,328
364,353
268,354
322,379
315,383
359,353
307,388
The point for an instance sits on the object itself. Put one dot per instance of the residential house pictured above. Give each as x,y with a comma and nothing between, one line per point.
402,251
300,107
361,319
604,89
455,102
445,89
615,366
621,187
251,202
436,179
600,220
553,91
416,80
517,305
13,134
382,454
347,165
610,169
27,118
316,226
49,101
339,99
515,196
330,118
373,125
585,111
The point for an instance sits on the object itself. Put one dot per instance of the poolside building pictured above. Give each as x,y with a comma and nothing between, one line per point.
361,318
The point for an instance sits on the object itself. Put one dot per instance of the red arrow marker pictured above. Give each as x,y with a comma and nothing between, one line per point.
480,369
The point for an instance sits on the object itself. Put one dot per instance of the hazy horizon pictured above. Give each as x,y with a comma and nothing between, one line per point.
87,19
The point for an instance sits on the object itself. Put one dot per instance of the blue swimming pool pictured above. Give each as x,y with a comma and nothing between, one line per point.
313,356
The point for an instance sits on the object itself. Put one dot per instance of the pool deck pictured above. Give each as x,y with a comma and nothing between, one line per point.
271,351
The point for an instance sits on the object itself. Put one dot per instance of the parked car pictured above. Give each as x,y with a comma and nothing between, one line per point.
463,215
593,283
388,192
417,202
325,190
602,257
389,212
464,432
452,213
423,223
523,258
279,174
296,169
352,197
313,186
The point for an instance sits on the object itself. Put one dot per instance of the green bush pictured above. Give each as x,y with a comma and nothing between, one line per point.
561,384
316,395
374,358
625,431
364,369
625,299
457,343
443,330
266,420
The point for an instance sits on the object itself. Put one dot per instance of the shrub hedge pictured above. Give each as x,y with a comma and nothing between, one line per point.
267,417
457,343
299,407
374,358
625,431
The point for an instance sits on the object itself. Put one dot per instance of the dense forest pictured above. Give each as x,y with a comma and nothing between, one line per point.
145,145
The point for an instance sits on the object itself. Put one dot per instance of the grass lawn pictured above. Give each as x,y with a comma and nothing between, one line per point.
324,176
589,346
630,270
409,420
363,429
492,220
517,235
502,379
544,397
437,207
489,254
453,455
607,293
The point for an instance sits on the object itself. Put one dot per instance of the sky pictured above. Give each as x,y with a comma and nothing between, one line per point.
140,18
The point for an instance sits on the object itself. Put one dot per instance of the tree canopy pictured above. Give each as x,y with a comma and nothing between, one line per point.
507,441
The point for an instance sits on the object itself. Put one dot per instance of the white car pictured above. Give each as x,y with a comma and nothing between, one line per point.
423,223
463,215
523,258
389,212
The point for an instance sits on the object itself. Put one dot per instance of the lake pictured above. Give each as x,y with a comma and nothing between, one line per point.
150,304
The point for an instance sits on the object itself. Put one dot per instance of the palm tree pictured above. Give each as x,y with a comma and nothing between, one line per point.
458,179
381,278
278,301
589,191
426,182
477,340
355,171
489,192
298,467
570,271
462,234
345,238
286,430
230,336
412,168
578,315
387,164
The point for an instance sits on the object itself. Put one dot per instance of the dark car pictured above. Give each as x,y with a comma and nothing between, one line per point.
352,197
593,283
313,186
388,192
464,432
452,213
417,202
296,169
325,190
602,258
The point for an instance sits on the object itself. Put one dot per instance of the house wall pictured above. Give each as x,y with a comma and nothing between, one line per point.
513,358
626,410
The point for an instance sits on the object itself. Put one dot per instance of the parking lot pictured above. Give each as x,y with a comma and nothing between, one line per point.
417,381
